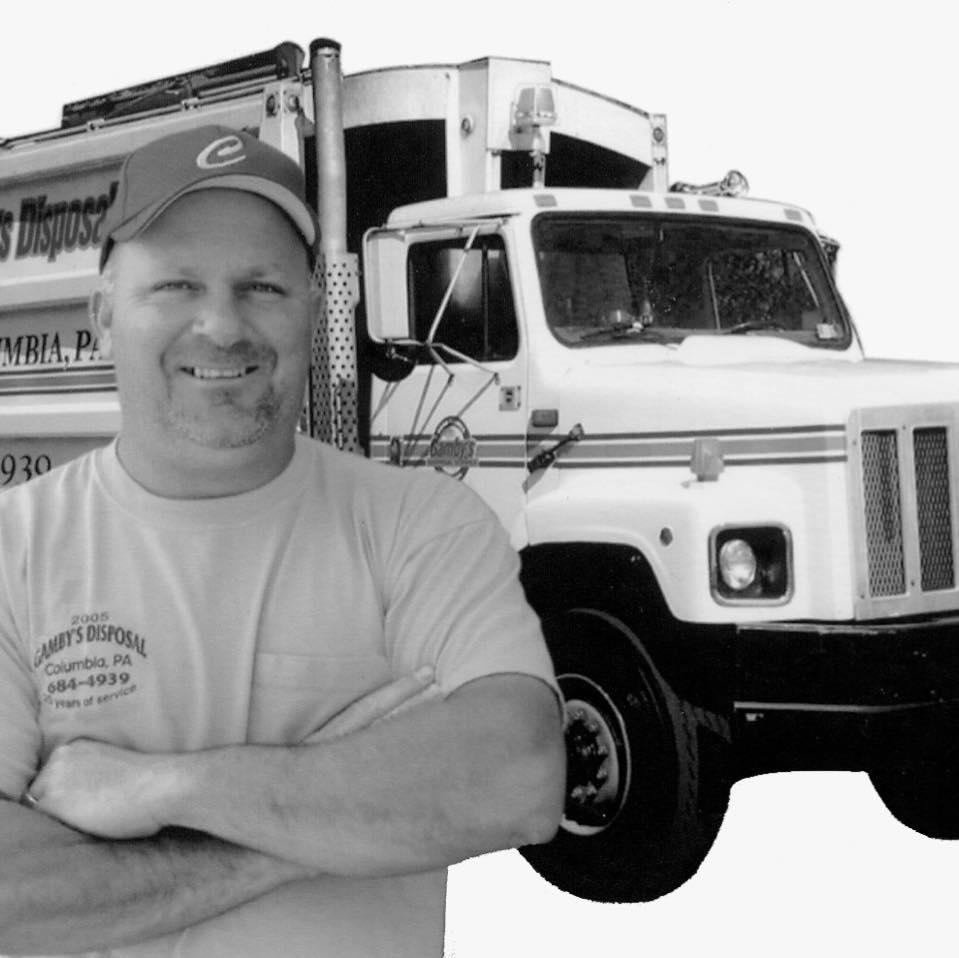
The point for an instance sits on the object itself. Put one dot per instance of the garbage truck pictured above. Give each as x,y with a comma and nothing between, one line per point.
740,534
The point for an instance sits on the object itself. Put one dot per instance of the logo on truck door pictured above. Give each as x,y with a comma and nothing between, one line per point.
452,448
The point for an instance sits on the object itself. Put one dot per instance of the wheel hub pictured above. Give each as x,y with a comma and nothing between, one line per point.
597,765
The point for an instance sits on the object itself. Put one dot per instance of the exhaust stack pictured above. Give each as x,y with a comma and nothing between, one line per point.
334,395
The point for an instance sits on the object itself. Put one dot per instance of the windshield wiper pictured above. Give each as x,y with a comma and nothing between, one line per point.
621,330
751,325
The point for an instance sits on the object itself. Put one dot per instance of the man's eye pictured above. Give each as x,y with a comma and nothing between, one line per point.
263,287
173,285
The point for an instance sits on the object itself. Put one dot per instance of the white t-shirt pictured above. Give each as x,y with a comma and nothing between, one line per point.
174,625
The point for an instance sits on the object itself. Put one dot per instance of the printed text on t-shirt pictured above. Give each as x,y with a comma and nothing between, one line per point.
88,664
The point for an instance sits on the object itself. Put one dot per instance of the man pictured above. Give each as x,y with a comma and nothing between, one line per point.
204,625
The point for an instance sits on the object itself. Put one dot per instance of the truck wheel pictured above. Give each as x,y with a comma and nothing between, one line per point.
641,809
922,796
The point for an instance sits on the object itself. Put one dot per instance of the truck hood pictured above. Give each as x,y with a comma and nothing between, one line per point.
709,389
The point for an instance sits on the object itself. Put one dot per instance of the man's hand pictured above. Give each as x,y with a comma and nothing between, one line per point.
102,790
112,792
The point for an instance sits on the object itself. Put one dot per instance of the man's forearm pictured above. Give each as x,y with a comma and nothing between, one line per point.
479,771
64,892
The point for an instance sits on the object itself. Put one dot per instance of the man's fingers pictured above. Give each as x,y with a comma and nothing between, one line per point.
386,700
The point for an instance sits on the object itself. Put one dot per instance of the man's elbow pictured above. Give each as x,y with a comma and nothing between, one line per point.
540,819
549,789
534,785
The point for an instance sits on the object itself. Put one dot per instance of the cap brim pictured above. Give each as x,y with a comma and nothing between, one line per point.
297,211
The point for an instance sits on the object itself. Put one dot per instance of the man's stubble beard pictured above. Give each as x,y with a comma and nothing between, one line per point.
244,427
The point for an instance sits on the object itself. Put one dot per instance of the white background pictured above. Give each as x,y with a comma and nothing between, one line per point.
844,108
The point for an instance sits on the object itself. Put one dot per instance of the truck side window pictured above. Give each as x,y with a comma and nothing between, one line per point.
479,319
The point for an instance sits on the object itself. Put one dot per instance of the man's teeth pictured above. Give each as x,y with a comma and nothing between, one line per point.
200,373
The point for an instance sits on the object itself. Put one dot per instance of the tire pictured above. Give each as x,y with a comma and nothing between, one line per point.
923,796
643,805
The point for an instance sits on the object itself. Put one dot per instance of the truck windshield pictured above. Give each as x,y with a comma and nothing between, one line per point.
637,278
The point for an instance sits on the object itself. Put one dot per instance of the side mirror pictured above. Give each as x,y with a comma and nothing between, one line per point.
392,363
384,284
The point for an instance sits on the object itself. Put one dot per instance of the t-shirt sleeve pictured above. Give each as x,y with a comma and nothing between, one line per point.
454,600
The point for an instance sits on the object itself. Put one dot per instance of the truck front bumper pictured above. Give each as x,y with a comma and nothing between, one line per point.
813,695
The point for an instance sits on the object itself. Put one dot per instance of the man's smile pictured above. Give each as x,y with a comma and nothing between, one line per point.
209,372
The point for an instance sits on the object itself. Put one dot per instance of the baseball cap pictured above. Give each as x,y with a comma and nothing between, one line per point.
207,157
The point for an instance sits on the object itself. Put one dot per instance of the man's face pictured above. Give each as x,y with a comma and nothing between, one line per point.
208,318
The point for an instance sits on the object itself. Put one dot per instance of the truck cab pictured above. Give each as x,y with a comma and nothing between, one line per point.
664,398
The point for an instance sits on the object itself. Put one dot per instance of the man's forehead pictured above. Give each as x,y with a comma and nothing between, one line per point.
149,255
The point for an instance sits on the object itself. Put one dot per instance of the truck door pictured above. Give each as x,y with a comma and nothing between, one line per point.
460,410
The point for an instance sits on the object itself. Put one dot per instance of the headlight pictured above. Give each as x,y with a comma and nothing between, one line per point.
737,564
750,564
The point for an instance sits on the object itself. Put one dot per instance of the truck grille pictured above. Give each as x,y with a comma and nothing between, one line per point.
933,508
880,484
905,510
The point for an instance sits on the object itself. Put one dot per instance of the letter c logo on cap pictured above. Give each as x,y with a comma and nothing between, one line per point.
221,152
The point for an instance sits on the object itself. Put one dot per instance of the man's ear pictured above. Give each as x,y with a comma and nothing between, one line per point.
100,310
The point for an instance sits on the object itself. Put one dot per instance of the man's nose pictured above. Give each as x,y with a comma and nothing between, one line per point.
219,317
